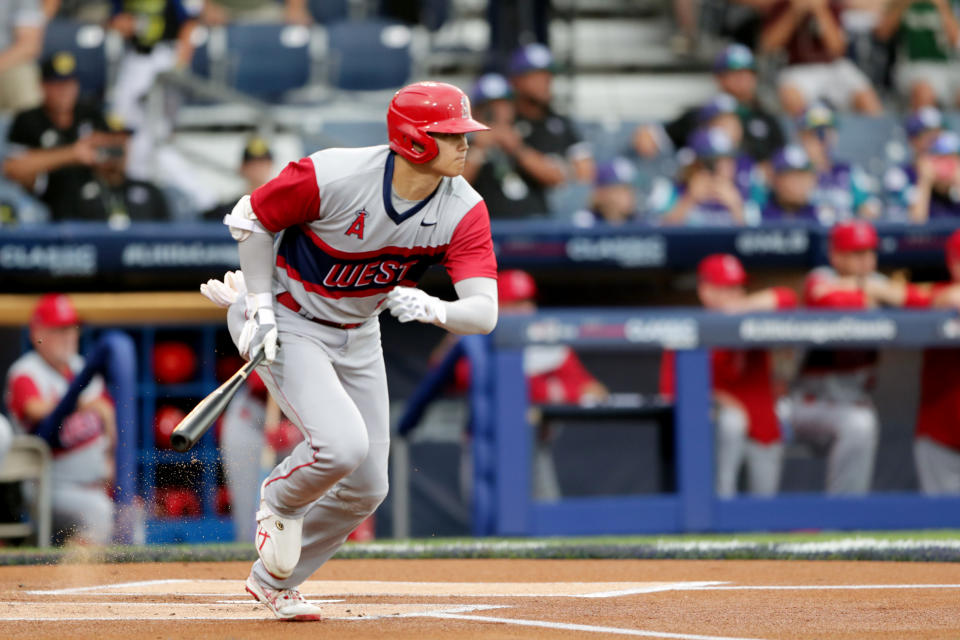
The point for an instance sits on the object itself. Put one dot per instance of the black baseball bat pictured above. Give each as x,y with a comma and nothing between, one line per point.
195,424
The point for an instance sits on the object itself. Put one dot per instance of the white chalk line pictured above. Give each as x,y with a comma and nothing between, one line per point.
566,626
822,587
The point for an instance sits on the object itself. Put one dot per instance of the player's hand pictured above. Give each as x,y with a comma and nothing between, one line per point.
409,303
259,332
225,293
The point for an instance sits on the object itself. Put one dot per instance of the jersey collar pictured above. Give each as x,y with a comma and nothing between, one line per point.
388,195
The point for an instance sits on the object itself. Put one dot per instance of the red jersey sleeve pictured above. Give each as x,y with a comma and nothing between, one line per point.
292,198
575,376
920,297
470,254
22,390
786,297
817,295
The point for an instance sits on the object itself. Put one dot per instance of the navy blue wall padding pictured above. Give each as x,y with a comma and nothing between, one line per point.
428,389
327,11
359,59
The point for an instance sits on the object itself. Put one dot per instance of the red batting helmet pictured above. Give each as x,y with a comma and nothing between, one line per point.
722,269
953,247
515,285
854,235
173,362
54,310
164,422
423,108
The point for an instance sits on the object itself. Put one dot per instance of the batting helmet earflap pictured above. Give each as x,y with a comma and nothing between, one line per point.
420,109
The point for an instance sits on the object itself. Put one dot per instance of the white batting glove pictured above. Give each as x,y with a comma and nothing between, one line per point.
259,332
408,304
225,293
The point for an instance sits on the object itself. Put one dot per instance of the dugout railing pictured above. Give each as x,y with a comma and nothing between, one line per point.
502,438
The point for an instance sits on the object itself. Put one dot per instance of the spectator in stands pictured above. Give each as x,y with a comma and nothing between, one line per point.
794,188
747,428
843,190
831,406
489,168
220,12
614,198
83,441
937,190
158,39
53,147
811,33
937,445
708,191
21,42
735,74
923,127
256,168
927,34
543,146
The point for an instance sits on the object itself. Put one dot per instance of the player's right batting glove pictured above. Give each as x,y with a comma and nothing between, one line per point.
260,329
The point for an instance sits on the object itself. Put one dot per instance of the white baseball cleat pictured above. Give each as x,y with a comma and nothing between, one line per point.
277,541
286,604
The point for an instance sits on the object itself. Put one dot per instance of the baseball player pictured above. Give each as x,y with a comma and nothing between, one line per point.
82,442
747,427
831,406
324,247
937,446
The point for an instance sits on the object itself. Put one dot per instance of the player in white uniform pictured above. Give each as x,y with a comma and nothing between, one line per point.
81,443
334,239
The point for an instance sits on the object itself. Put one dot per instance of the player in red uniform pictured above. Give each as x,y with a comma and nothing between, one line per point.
937,445
831,405
747,428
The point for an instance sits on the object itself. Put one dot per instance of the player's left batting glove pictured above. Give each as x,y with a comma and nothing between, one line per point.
260,329
408,304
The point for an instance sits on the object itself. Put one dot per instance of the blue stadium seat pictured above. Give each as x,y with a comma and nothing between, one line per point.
327,11
268,60
349,134
86,42
863,140
368,55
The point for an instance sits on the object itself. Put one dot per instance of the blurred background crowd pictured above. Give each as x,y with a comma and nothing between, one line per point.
696,112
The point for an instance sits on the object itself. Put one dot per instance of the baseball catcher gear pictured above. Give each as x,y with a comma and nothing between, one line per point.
423,108
409,303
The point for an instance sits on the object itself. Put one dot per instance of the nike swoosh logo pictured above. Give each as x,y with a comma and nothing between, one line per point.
427,224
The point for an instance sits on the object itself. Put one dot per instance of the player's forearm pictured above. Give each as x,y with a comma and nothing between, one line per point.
540,167
24,168
950,26
254,245
830,31
475,311
776,34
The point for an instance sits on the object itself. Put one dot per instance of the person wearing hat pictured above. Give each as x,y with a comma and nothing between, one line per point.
543,147
811,33
794,186
830,405
926,33
937,445
734,72
492,171
256,169
747,427
54,147
937,190
922,127
711,190
37,390
614,197
843,189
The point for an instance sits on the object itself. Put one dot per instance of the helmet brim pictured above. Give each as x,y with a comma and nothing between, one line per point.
455,125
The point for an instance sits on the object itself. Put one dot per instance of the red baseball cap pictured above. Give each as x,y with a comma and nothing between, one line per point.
855,235
953,246
54,310
722,269
515,285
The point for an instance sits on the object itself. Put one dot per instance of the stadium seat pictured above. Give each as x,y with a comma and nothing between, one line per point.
268,60
567,199
368,55
327,11
349,134
86,42
863,140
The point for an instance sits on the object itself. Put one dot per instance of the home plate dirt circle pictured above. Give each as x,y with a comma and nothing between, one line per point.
528,599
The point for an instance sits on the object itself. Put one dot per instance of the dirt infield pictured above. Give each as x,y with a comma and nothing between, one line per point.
523,599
